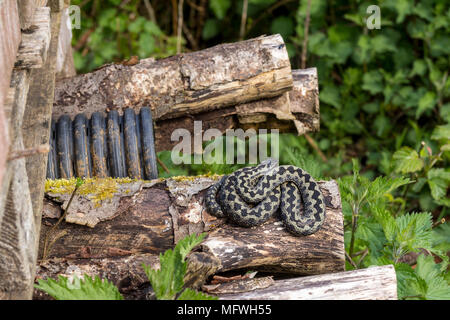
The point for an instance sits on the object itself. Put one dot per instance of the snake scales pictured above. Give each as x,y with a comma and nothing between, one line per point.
251,195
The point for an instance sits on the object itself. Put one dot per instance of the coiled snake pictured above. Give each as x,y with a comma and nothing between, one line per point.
251,195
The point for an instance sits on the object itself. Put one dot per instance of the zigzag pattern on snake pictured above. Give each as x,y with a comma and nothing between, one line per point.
251,195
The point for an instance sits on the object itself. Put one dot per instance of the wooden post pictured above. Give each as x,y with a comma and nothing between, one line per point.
30,87
9,44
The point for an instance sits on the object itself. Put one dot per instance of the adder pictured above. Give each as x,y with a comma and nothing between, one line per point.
251,195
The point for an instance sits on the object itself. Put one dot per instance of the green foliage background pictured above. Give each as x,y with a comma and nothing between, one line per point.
384,97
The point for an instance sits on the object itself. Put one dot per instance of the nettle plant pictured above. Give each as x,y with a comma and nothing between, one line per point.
167,281
377,232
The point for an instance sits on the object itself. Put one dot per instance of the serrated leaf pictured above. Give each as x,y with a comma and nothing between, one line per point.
414,231
405,275
407,160
168,280
188,243
436,286
79,289
372,234
189,294
441,237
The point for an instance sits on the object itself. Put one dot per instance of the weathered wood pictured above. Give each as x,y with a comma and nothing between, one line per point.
294,111
190,83
65,66
27,10
125,272
150,218
374,283
35,41
20,224
18,237
9,44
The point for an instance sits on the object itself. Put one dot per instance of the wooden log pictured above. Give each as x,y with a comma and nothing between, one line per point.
373,283
148,218
294,111
190,83
35,41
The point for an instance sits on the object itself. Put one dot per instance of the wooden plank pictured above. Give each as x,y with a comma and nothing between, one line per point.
190,83
17,236
17,233
35,42
26,189
9,44
373,283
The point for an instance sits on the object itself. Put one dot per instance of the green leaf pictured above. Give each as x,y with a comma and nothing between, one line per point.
441,237
436,287
427,102
413,232
282,25
404,7
438,180
405,275
220,7
419,68
188,243
407,160
78,289
168,280
189,294
441,132
211,29
331,96
381,44
373,82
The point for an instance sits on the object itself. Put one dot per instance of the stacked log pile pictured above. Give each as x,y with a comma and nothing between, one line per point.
248,84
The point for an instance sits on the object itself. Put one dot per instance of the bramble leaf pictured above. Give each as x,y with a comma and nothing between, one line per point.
168,280
79,289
